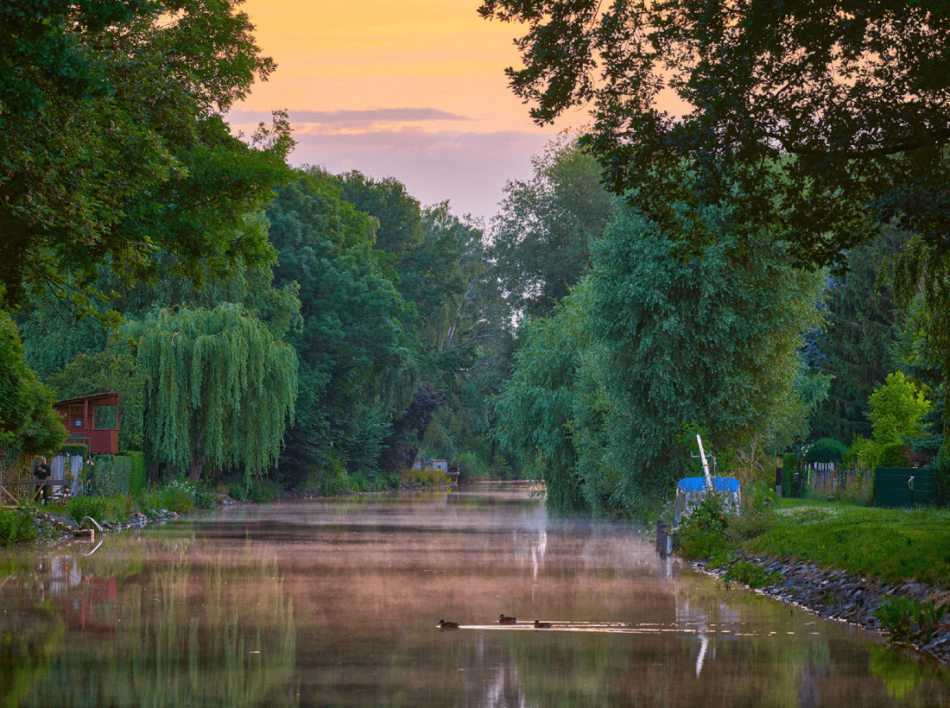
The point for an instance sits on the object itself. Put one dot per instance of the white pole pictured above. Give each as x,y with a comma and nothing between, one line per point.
702,456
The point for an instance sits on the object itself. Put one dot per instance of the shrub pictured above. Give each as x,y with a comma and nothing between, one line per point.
427,475
138,479
80,449
826,450
16,525
112,474
471,466
750,574
262,491
906,618
178,495
93,507
702,534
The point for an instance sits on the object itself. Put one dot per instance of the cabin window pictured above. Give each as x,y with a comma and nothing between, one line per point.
104,417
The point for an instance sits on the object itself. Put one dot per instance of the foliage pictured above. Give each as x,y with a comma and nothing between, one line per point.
897,408
73,449
256,491
16,525
178,495
220,390
713,340
749,574
137,479
113,474
826,450
122,147
352,346
95,507
28,423
703,533
541,237
855,94
907,618
427,476
856,345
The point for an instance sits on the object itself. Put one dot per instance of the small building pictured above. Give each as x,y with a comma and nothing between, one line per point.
427,463
93,421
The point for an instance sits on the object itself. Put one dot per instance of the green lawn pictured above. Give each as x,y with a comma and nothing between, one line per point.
894,545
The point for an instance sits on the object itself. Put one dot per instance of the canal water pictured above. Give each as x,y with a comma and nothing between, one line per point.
335,603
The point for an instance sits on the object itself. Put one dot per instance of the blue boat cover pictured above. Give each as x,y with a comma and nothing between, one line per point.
698,484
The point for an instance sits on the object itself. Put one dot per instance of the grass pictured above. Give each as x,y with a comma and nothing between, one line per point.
894,545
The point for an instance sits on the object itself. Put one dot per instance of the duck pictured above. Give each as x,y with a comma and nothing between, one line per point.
448,625
542,625
507,620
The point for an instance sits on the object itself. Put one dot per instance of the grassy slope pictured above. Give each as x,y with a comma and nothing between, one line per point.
894,545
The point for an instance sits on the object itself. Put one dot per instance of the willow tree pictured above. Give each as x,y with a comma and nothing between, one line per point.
220,390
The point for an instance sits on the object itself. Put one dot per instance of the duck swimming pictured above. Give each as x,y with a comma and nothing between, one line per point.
542,625
507,620
448,625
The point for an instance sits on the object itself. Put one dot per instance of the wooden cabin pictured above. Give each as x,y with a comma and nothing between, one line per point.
93,421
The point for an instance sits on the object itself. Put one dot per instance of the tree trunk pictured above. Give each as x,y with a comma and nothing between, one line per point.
197,459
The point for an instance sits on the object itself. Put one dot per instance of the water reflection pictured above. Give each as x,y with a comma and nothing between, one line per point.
334,603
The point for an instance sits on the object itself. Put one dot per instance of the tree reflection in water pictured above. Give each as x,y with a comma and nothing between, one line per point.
194,630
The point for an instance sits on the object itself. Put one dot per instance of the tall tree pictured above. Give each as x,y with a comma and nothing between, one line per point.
352,345
28,423
541,237
220,390
857,93
123,148
857,345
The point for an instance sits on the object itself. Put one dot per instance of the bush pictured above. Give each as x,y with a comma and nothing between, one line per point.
826,450
112,474
750,574
906,618
138,479
80,449
702,534
16,525
93,507
426,475
262,491
178,496
471,466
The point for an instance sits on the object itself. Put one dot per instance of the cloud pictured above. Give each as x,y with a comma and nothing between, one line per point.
337,120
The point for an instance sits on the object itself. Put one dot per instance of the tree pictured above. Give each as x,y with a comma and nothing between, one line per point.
352,345
541,237
649,342
861,331
853,95
122,148
28,423
220,390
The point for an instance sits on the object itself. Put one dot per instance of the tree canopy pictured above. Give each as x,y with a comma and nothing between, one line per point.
854,96
28,423
121,148
220,390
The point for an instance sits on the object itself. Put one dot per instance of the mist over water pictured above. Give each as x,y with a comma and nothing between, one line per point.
336,603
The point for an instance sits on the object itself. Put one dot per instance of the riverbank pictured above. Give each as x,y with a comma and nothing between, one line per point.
887,570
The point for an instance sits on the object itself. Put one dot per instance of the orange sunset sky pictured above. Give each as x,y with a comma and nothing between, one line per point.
413,89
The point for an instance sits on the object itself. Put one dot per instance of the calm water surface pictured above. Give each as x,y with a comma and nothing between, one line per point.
335,603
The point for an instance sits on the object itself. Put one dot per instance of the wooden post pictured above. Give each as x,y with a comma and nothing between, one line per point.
662,538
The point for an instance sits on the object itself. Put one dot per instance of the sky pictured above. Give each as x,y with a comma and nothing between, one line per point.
414,90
